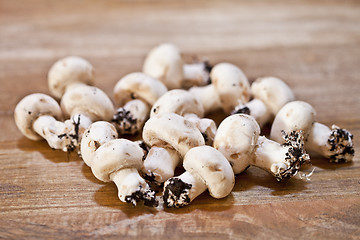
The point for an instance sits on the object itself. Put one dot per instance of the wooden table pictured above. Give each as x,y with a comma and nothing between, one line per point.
313,45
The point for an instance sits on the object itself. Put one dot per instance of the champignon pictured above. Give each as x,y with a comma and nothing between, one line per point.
185,104
165,62
229,89
335,143
238,139
135,93
270,95
206,168
170,137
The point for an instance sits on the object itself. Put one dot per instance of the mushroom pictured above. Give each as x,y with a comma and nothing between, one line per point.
117,160
135,93
270,95
39,116
165,62
335,143
206,168
170,137
185,104
229,89
238,138
67,72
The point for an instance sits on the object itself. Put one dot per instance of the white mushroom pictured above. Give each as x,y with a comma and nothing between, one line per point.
170,137
206,168
135,93
39,116
229,89
335,143
238,139
270,95
67,72
185,104
165,62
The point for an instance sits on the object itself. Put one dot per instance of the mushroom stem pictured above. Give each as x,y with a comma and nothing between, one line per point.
282,160
160,164
132,188
335,143
50,129
180,191
130,118
208,97
255,108
206,126
196,74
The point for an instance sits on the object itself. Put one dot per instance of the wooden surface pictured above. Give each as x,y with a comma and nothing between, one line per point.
313,45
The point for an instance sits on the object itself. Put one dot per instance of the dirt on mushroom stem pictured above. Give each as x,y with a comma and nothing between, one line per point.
340,144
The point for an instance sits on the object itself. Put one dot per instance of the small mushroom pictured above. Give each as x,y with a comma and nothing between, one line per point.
67,72
238,138
206,168
39,116
165,62
335,143
170,137
270,95
135,93
185,104
229,89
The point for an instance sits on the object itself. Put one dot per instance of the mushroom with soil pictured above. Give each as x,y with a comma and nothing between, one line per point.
165,62
270,94
170,136
206,168
238,138
185,104
117,160
135,93
335,143
229,89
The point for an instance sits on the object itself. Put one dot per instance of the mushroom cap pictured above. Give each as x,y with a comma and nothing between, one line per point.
138,85
231,84
236,138
212,167
172,130
97,134
165,63
177,101
274,92
89,100
30,108
67,71
296,115
115,155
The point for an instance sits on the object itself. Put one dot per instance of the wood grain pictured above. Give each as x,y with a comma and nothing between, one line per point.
313,45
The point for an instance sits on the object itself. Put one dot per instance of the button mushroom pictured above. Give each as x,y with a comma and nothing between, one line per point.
335,143
185,104
164,62
170,137
117,160
270,95
135,93
238,139
229,89
206,168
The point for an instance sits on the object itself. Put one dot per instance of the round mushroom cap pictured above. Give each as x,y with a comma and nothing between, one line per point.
236,138
165,63
115,155
296,115
138,85
97,134
274,92
177,101
67,71
172,130
232,85
212,167
89,100
30,108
